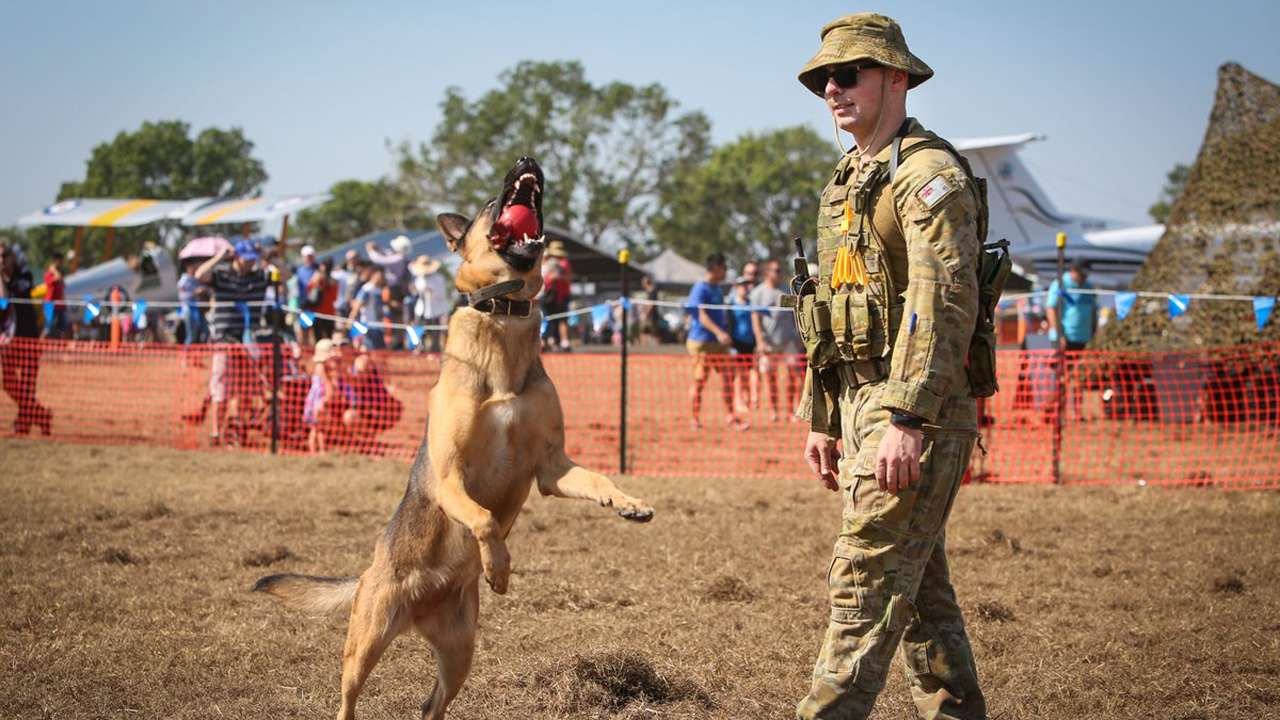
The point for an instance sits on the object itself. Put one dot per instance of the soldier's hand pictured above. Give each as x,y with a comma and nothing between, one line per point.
823,456
898,459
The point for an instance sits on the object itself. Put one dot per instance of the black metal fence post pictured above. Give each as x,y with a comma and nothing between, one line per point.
276,362
624,257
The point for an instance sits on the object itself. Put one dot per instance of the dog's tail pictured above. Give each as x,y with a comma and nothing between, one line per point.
310,592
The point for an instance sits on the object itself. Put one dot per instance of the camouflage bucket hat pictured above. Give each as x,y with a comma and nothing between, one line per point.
864,36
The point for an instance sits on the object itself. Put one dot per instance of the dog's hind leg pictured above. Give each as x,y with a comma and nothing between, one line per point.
451,630
561,477
377,617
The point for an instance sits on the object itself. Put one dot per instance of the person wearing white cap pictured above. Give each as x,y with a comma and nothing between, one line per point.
308,266
395,267
431,305
302,276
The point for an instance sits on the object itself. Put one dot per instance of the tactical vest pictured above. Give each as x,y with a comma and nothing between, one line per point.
852,325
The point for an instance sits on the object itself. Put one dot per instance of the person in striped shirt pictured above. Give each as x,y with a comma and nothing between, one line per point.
240,293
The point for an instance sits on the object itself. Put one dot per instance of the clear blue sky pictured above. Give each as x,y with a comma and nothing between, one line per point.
1122,89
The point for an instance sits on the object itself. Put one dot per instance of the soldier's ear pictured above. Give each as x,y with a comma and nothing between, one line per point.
453,226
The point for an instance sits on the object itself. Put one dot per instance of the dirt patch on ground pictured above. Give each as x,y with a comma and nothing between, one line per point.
1107,603
612,681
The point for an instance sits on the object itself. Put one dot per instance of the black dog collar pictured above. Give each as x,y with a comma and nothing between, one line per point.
503,306
488,299
494,290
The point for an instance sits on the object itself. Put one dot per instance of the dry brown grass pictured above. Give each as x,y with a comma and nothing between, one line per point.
125,575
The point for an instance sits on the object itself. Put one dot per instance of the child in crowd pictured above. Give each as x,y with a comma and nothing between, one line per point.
328,401
374,408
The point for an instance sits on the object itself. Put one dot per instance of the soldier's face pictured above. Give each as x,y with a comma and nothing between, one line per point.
856,108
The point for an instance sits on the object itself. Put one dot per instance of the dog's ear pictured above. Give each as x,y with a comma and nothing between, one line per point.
453,226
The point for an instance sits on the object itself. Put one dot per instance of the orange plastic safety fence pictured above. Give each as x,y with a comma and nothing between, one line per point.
1197,418
1208,417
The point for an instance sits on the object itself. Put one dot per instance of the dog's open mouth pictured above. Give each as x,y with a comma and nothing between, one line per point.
516,232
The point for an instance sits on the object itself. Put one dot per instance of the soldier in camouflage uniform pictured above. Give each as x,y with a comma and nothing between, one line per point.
896,302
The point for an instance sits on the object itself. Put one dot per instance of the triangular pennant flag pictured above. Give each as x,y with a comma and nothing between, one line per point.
358,328
1124,303
1178,304
91,309
626,304
48,313
543,329
140,312
4,303
414,336
1262,307
600,313
307,319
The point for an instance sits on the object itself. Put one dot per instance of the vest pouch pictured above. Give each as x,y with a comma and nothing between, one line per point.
840,324
813,322
994,267
981,367
858,343
824,353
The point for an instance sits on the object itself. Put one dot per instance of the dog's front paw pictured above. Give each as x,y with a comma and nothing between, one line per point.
636,511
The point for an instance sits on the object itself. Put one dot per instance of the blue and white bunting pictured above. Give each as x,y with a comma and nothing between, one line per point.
1262,307
307,319
1178,304
414,335
4,303
140,312
600,313
358,329
48,313
91,309
1124,303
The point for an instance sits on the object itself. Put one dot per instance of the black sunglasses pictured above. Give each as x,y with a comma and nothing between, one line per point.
844,75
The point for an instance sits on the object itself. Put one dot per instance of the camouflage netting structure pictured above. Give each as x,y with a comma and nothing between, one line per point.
1223,235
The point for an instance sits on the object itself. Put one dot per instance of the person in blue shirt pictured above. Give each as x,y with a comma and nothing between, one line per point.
191,292
1079,310
305,272
708,340
742,333
368,308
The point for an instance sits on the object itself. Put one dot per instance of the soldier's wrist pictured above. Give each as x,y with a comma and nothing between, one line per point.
906,420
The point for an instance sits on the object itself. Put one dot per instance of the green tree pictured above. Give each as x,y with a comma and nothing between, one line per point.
606,150
162,161
359,208
749,198
1175,182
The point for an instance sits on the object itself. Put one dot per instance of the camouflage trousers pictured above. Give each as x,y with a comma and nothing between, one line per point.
889,583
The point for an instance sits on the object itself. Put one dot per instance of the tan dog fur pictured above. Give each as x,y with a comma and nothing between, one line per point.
495,428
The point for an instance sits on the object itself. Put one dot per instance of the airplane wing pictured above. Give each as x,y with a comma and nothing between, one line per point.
101,212
252,209
991,143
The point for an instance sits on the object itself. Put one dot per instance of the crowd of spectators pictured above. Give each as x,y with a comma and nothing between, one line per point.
742,339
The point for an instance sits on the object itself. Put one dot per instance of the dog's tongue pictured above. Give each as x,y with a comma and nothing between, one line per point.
517,221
